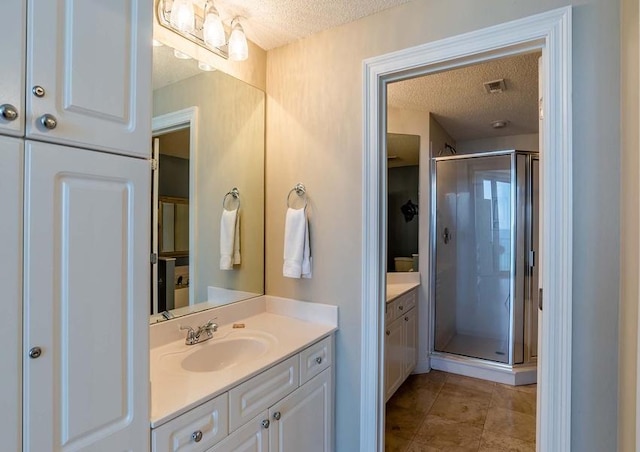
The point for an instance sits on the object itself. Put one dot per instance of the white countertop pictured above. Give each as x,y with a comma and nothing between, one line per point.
175,391
397,289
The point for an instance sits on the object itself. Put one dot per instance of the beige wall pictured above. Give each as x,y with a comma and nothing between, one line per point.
629,226
314,135
230,153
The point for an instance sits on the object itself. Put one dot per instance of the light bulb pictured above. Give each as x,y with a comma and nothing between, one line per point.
213,32
182,16
238,47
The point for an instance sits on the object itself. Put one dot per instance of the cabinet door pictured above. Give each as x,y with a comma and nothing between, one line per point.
303,420
12,55
410,341
394,356
93,60
86,295
11,283
251,437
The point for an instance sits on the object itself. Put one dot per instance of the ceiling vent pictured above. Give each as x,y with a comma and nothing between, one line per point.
496,86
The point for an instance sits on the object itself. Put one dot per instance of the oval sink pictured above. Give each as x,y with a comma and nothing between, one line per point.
218,355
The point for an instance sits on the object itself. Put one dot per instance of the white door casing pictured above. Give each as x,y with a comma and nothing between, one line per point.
551,33
93,60
86,300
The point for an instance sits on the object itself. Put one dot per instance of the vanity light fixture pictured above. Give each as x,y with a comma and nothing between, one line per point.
203,25
183,16
212,29
238,47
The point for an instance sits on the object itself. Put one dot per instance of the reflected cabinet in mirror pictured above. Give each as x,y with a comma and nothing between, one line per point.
209,131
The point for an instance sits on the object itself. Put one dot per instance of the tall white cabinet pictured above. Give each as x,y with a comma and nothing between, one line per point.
75,108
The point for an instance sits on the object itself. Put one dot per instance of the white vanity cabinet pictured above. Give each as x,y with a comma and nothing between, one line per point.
286,408
78,73
86,279
11,153
401,336
12,56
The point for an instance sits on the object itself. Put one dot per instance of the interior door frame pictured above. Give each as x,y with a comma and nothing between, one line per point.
170,122
549,32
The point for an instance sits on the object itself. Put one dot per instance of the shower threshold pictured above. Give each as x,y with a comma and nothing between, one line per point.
478,347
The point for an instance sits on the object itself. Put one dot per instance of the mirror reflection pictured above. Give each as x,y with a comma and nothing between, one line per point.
208,140
403,176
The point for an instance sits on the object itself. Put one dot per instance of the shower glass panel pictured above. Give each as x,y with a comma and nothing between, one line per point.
474,262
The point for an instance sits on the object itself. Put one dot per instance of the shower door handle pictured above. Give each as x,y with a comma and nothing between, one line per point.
540,299
446,236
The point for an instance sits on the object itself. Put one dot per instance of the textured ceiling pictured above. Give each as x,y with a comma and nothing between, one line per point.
168,69
274,23
460,103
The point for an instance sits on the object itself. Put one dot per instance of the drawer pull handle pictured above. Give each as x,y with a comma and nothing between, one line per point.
8,112
277,415
401,307
35,352
319,359
265,423
38,91
406,319
388,332
196,436
48,121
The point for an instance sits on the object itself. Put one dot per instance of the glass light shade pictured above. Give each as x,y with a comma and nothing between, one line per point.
205,67
180,55
213,32
183,17
157,43
238,47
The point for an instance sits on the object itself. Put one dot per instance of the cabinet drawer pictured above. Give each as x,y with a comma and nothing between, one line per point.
181,434
315,359
389,311
404,303
262,391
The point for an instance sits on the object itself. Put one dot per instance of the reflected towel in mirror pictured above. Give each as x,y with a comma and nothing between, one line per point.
229,239
297,253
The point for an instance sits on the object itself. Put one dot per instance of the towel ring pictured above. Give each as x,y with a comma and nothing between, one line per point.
301,191
235,194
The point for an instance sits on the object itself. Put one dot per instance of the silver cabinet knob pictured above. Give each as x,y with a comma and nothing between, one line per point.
406,319
196,436
49,121
388,332
277,415
266,423
35,352
319,359
8,112
38,91
401,307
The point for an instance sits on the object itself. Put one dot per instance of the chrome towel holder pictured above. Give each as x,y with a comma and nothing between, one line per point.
235,194
301,191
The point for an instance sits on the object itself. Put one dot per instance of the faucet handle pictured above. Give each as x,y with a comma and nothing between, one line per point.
211,325
191,334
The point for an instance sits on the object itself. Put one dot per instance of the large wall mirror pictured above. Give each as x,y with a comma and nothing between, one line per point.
208,138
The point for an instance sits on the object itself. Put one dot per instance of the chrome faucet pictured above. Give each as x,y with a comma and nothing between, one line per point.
197,336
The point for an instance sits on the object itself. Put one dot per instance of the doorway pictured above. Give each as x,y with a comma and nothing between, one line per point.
549,33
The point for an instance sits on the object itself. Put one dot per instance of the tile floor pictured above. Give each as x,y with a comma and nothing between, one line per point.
446,412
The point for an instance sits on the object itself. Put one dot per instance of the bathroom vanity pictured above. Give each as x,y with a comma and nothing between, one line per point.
401,329
263,382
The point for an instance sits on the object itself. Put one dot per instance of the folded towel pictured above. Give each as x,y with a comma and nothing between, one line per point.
229,239
297,253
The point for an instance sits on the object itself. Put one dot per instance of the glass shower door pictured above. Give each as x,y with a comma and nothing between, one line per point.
473,256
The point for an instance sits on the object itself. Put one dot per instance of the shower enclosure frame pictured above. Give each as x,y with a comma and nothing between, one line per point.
521,322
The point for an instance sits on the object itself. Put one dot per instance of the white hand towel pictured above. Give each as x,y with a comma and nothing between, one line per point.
297,254
229,239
